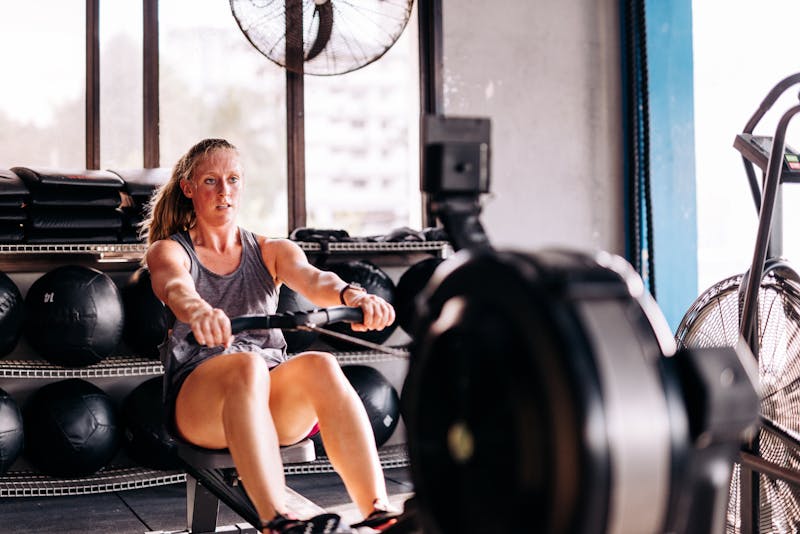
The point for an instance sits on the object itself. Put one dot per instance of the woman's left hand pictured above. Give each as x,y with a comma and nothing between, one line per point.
378,314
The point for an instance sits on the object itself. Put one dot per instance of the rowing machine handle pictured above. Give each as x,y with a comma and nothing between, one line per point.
293,320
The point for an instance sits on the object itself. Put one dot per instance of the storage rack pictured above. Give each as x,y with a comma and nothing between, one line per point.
23,258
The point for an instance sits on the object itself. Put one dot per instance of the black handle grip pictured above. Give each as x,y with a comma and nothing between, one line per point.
293,320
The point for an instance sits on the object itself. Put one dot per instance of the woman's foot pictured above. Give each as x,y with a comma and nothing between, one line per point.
319,524
381,518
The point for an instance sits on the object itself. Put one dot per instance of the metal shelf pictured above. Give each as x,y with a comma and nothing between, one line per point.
35,484
376,246
128,249
29,483
119,366
75,248
125,256
42,257
114,366
370,356
391,456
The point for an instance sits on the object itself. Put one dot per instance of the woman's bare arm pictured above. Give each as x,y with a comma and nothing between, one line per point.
289,265
172,283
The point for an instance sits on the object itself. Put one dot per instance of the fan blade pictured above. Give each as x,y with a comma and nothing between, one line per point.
324,12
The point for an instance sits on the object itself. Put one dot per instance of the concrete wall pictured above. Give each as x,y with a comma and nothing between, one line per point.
548,75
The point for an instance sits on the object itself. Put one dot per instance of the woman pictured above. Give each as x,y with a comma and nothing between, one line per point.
241,392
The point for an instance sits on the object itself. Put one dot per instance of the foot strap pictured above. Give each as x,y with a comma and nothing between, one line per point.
319,524
378,520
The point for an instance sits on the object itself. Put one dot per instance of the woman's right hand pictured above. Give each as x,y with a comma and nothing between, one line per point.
211,327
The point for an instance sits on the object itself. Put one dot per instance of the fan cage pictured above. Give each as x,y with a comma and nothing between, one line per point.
337,36
713,321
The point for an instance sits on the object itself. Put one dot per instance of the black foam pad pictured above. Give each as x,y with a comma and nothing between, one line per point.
13,213
132,216
11,232
36,178
319,234
404,234
93,236
12,188
142,182
74,218
11,201
129,236
76,196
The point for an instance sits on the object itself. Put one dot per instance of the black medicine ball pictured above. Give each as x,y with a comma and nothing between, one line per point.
145,315
410,284
376,282
73,316
292,301
11,314
11,433
146,438
70,428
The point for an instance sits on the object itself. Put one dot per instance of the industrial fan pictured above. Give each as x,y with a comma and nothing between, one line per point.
762,308
335,36
713,321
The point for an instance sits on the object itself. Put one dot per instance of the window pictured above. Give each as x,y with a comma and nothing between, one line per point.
42,109
121,84
362,166
361,128
213,83
735,64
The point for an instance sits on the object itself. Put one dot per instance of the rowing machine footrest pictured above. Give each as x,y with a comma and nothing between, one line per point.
211,477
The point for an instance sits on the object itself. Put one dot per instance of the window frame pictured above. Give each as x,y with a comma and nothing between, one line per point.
429,18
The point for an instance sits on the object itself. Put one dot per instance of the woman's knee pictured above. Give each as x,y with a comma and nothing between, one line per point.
321,366
246,371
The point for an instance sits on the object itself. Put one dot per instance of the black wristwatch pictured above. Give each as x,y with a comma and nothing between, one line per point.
352,285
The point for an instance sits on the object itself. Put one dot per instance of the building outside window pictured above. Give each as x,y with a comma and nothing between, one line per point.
362,167
213,83
362,139
731,78
121,84
42,110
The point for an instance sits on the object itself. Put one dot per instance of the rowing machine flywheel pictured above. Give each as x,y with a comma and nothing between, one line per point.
545,394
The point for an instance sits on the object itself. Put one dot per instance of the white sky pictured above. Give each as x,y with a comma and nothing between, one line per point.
51,69
742,49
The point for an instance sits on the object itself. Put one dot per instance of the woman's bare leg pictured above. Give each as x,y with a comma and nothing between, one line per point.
312,384
223,404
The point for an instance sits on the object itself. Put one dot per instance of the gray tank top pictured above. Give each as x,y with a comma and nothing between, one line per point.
249,290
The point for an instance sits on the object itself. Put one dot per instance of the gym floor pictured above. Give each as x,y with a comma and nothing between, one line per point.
163,508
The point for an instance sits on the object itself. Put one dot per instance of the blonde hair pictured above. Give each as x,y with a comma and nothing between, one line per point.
169,210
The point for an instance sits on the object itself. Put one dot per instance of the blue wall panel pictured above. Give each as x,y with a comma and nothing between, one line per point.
672,165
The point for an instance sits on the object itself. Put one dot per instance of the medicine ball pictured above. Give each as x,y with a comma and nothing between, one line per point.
11,314
11,434
70,428
146,438
145,315
73,316
379,397
291,301
376,282
411,282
